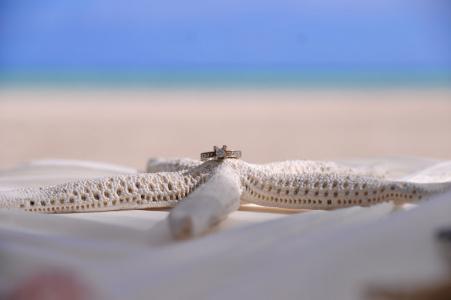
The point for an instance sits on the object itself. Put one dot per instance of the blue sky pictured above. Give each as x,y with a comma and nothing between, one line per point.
101,35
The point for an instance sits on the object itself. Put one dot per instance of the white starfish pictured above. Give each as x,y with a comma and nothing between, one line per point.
203,194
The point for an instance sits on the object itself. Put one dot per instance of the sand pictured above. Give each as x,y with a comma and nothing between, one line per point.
127,126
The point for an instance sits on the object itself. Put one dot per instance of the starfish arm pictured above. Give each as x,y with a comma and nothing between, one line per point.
327,189
311,166
110,193
208,205
155,165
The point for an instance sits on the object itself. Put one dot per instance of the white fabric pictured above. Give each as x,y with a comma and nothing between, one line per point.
261,254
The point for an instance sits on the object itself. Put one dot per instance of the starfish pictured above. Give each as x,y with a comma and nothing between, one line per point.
203,193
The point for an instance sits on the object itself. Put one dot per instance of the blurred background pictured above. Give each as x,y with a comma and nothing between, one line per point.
121,81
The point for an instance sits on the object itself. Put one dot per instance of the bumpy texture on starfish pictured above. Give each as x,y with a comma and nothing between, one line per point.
203,194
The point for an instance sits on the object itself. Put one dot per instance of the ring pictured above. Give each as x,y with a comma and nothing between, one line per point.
220,153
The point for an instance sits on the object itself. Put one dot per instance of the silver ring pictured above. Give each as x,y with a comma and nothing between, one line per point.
220,153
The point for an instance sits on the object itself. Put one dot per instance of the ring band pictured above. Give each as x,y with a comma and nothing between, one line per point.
220,153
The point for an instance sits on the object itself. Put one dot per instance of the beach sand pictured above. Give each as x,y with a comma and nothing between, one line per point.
128,126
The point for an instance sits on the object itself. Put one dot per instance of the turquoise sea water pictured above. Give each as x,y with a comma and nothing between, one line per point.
205,79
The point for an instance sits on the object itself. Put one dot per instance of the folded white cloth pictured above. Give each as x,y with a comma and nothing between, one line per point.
254,254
